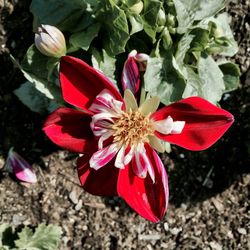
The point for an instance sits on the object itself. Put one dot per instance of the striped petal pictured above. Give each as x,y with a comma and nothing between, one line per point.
103,156
131,76
148,199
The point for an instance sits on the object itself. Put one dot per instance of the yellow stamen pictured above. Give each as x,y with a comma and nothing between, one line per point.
132,128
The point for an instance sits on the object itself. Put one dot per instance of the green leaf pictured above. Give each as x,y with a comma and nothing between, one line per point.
231,76
212,83
104,63
35,63
44,238
114,30
190,11
136,23
150,14
194,84
64,14
163,79
36,69
84,38
182,48
35,100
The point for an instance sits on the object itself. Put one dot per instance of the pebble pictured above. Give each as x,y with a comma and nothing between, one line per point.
166,227
175,230
242,230
16,220
73,197
215,246
78,205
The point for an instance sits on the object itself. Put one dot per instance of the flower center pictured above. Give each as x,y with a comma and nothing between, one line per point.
132,128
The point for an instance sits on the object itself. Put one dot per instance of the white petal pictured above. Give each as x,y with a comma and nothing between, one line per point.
130,101
150,105
155,143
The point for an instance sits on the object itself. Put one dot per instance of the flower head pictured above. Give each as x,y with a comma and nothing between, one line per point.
19,167
50,41
119,140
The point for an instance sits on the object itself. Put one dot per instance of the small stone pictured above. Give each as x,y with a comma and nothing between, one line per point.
215,246
166,227
218,204
78,205
183,206
175,230
73,197
16,220
242,231
84,228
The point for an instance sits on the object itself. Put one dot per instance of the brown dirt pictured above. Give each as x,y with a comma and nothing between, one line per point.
209,202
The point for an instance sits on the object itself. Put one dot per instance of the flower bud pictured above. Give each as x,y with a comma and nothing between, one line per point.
50,41
167,40
137,8
161,18
19,167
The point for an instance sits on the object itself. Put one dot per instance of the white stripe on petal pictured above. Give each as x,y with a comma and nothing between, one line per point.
103,156
119,161
129,155
168,126
103,138
178,127
164,126
105,101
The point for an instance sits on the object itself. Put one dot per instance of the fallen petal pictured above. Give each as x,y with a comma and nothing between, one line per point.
19,167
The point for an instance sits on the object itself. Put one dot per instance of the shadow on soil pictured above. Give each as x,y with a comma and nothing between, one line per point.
194,176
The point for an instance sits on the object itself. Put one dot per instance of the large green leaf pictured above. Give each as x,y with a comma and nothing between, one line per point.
36,101
190,11
212,83
163,79
44,238
150,14
114,29
182,48
84,38
67,15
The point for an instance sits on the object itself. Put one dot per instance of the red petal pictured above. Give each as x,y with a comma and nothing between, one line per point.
131,76
205,123
70,129
102,182
148,199
81,83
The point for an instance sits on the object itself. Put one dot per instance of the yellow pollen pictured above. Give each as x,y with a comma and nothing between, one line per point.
132,128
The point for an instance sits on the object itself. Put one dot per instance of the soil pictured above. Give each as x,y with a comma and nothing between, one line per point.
209,191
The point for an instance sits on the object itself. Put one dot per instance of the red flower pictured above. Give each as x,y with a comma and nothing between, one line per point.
118,139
